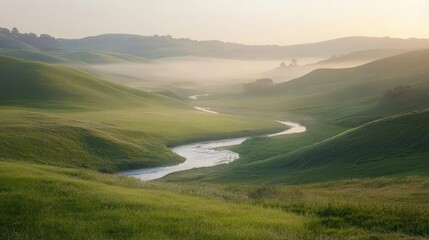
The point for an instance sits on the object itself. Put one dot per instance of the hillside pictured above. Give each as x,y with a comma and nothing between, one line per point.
362,57
10,43
153,47
384,103
346,97
393,146
94,57
59,116
70,56
86,205
31,83
30,55
159,46
387,147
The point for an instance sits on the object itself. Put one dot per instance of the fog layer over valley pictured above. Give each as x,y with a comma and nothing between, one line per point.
216,71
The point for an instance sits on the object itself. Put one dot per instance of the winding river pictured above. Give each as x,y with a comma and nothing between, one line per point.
204,154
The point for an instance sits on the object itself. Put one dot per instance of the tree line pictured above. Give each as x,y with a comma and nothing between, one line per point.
43,42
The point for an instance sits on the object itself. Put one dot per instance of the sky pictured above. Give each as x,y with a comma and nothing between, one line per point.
256,22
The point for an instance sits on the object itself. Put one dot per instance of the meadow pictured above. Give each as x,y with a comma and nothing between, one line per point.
43,202
359,172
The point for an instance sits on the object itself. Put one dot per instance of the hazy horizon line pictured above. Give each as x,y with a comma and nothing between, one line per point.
217,40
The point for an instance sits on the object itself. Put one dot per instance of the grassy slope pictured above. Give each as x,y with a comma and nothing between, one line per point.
394,146
346,97
51,203
365,55
38,56
32,83
69,56
159,46
9,43
95,57
59,116
336,99
390,146
40,202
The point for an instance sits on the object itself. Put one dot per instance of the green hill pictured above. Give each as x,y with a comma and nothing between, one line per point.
369,80
362,56
59,116
38,56
31,83
153,47
95,57
346,97
393,146
384,103
70,56
10,43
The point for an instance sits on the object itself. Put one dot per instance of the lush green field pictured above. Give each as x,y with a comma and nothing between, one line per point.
393,146
114,140
31,55
60,116
359,125
94,57
40,202
60,56
51,203
26,83
344,97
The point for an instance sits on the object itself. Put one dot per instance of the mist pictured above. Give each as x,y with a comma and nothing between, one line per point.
204,71
214,71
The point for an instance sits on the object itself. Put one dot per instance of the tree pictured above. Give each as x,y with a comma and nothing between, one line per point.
293,62
15,31
4,31
283,65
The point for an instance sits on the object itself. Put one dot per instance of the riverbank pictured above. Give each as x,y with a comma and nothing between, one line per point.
205,154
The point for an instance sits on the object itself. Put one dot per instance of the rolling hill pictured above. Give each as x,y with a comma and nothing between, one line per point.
360,57
56,115
153,47
392,146
94,57
346,97
160,46
70,56
10,43
31,83
31,55
33,95
383,104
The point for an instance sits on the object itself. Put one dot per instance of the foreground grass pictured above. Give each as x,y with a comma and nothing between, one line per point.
41,202
371,208
51,203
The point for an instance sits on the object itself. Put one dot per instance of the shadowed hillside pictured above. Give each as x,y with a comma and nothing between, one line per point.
30,83
393,146
383,103
348,97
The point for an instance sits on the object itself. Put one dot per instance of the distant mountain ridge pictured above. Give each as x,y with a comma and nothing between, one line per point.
158,47
154,47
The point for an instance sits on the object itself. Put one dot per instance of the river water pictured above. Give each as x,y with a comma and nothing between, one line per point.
204,154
